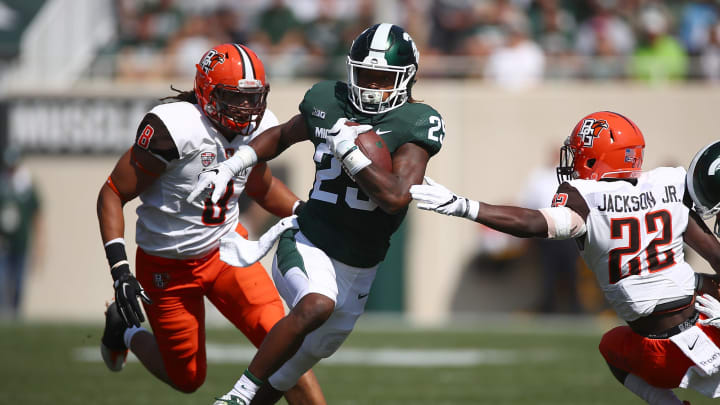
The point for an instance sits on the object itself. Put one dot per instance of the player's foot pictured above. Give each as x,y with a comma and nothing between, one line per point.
112,345
231,400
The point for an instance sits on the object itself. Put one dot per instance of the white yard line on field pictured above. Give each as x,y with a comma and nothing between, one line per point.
389,356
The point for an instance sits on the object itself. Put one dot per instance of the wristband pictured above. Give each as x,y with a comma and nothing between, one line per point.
472,210
354,161
298,207
115,252
243,158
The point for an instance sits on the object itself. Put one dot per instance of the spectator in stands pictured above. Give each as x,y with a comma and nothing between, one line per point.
451,23
519,63
19,219
279,28
230,23
324,42
198,34
659,57
554,28
604,40
696,22
710,57
280,37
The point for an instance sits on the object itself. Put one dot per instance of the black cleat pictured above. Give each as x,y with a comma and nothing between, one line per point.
112,346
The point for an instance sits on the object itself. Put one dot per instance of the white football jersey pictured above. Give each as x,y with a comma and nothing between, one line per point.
634,238
167,225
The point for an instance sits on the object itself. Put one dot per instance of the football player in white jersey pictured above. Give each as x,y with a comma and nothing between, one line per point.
177,262
630,227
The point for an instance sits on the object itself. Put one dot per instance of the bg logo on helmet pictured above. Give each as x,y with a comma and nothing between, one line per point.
210,60
591,129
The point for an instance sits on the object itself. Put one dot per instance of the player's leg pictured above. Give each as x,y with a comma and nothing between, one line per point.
353,287
175,352
305,278
248,298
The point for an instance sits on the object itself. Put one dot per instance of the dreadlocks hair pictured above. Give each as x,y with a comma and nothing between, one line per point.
188,96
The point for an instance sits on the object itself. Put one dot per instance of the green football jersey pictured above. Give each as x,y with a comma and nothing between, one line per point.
339,217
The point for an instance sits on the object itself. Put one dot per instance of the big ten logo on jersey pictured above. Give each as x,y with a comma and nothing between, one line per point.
591,129
143,139
559,200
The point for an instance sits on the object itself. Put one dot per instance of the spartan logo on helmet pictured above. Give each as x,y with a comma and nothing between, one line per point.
591,129
703,182
211,59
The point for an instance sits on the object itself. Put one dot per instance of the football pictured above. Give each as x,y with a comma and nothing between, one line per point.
375,148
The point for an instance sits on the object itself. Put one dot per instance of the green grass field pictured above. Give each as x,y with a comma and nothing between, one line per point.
531,361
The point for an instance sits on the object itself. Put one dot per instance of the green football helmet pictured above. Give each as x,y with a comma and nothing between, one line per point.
381,65
703,182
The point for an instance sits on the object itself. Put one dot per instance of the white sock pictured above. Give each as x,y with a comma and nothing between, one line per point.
129,333
651,395
246,386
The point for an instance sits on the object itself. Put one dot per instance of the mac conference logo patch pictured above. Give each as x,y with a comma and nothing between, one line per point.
207,158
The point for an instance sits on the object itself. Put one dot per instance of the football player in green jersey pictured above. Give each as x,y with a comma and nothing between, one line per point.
703,182
324,269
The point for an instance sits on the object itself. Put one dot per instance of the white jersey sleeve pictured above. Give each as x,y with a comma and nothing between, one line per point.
168,225
634,238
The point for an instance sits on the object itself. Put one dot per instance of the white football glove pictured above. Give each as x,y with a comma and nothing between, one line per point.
710,307
240,252
435,197
341,141
218,176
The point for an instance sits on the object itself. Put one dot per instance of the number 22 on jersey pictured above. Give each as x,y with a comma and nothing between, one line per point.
629,229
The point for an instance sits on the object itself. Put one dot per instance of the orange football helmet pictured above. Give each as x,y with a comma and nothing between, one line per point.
602,145
231,87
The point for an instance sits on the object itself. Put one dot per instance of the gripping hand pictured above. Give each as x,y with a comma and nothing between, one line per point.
127,290
341,141
218,176
710,307
435,197
240,252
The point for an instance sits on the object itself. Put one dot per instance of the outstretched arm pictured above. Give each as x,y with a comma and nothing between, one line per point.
517,221
262,148
552,223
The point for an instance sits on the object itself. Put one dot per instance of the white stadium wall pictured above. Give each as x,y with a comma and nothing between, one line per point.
494,138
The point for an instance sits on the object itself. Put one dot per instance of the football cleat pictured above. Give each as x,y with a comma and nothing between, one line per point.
230,400
112,346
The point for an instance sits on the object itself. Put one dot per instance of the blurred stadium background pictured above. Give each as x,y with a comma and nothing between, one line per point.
510,77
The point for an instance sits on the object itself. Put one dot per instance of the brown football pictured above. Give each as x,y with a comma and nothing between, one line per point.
375,148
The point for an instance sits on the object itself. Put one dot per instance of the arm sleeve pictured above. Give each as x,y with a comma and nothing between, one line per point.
563,223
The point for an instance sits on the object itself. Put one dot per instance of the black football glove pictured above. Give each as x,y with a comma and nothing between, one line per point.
127,289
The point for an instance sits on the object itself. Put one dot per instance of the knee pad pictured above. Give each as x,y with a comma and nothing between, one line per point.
288,375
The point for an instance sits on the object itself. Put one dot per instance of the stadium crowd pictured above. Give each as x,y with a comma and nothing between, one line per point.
515,43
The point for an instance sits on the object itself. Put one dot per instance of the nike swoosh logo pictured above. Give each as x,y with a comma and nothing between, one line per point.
379,132
692,346
361,296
